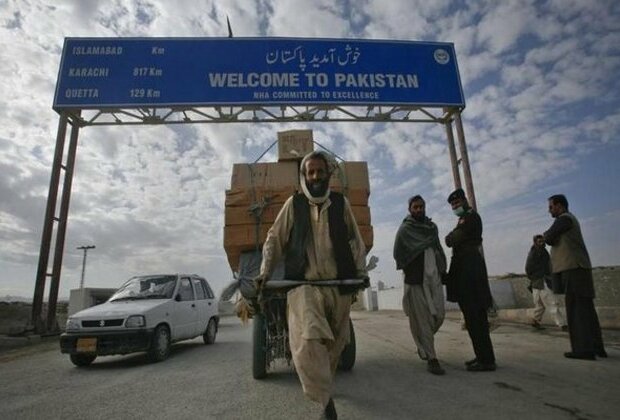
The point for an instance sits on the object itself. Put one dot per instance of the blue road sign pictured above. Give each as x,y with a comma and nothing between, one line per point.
161,72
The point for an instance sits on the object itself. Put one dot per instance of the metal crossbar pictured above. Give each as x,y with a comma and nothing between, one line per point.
256,114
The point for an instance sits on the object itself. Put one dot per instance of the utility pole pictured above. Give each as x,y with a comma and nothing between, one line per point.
85,248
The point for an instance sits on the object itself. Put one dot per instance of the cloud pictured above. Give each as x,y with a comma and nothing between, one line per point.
321,18
541,90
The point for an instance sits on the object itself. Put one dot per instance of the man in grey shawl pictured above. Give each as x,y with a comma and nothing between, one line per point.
419,254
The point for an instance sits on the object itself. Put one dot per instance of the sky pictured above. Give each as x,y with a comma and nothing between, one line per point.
540,80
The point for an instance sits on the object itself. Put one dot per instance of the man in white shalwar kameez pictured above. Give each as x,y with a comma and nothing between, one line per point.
317,235
419,254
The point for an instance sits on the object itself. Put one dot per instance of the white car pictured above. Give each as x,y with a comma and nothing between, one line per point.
147,313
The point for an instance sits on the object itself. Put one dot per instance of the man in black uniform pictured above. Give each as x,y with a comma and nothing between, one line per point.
468,283
570,262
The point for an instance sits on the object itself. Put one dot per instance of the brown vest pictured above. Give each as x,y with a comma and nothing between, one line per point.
570,250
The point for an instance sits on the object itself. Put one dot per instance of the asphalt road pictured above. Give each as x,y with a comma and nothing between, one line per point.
533,380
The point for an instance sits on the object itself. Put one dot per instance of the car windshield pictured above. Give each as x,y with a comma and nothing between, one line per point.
149,287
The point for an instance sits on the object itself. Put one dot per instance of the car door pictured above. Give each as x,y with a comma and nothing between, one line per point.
201,306
185,312
212,304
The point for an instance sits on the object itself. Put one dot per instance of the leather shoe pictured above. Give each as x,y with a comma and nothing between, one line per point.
330,411
583,356
564,328
471,362
601,353
435,368
481,367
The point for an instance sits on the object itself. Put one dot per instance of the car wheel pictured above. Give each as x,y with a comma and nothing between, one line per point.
82,360
347,357
259,347
211,332
160,346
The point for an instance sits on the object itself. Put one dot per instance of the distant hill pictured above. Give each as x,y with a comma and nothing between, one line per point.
9,298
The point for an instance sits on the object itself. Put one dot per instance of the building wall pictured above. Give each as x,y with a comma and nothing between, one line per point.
85,298
390,298
512,297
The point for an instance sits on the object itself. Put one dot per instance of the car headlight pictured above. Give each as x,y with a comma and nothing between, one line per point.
135,321
72,325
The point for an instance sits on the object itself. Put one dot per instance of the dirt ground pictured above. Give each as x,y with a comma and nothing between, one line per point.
15,316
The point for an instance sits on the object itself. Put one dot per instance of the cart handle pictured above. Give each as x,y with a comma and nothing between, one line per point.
277,284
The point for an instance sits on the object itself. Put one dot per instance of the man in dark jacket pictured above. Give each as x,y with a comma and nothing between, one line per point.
571,263
468,283
538,270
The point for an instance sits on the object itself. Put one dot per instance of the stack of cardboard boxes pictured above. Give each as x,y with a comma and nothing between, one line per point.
258,191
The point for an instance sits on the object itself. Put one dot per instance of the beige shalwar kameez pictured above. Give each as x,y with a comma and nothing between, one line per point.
424,306
318,316
545,299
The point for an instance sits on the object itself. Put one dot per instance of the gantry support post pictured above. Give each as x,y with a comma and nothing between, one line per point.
456,175
62,228
48,227
469,184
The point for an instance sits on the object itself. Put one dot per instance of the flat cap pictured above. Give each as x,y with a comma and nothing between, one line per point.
458,193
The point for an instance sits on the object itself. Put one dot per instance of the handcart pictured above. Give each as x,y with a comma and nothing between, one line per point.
270,326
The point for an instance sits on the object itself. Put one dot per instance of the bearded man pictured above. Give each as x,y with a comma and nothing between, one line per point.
419,254
317,235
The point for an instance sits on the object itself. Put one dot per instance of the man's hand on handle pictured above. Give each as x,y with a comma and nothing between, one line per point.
259,282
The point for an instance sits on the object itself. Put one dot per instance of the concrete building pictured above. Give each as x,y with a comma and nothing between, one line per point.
85,298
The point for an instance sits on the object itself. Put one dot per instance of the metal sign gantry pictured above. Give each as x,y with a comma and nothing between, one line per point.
56,222
165,81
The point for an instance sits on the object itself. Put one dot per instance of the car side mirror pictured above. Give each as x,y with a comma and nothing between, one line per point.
178,297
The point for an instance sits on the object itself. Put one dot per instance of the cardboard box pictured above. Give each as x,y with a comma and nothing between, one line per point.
243,216
240,238
243,237
233,260
362,215
357,197
352,175
265,175
245,197
368,236
294,144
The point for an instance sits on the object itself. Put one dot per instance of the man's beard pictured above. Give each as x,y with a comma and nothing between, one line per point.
318,188
419,216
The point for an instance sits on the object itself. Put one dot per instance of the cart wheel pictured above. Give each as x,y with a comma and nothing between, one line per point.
259,350
347,357
82,360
